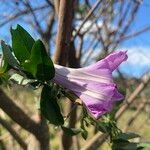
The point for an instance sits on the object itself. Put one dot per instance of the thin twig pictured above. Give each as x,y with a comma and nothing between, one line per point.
64,31
23,12
87,17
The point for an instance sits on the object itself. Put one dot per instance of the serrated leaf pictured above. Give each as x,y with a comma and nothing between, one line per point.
22,43
8,55
39,64
49,107
71,131
20,79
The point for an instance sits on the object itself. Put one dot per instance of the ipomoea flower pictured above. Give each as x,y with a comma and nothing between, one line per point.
93,84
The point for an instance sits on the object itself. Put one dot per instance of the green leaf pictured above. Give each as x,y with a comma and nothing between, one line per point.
4,78
3,66
127,136
71,131
125,145
131,146
39,64
144,146
119,144
84,133
102,127
8,55
49,107
22,43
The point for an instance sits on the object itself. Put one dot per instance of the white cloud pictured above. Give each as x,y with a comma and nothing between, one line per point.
91,25
138,56
138,62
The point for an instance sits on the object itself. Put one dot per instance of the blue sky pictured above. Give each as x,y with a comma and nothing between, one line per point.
138,48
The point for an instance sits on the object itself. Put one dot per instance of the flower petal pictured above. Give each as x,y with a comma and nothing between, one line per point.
111,62
94,84
95,106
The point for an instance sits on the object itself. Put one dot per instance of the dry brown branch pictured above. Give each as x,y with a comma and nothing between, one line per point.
87,17
38,129
63,46
38,26
56,5
21,13
134,34
50,3
14,134
127,25
47,34
64,31
80,47
12,110
135,115
144,81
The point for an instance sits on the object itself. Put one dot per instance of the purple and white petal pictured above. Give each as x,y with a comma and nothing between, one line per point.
93,84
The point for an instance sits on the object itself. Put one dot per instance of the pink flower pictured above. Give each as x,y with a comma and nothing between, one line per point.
93,84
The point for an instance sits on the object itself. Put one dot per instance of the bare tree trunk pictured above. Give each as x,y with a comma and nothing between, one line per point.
63,47
38,129
44,137
64,32
14,134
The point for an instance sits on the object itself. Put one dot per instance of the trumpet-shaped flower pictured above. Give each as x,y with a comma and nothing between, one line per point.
93,84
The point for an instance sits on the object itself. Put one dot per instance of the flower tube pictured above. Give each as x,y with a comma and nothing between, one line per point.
93,84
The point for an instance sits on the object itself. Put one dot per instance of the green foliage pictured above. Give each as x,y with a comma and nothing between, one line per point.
32,57
144,146
84,133
32,66
124,145
127,136
49,107
4,67
9,57
39,64
121,142
22,43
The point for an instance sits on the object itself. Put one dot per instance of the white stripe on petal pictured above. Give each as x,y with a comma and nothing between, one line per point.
94,95
81,75
88,76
